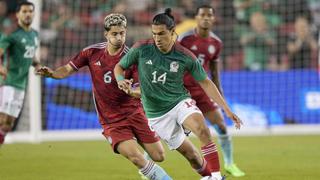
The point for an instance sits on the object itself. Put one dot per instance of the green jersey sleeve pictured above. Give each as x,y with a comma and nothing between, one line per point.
195,68
130,58
5,41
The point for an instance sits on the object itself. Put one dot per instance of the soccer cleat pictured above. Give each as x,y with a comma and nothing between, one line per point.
234,170
212,178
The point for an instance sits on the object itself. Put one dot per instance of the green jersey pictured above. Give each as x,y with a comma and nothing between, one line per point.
161,75
20,47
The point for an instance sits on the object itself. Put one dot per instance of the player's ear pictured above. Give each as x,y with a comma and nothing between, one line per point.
105,33
173,31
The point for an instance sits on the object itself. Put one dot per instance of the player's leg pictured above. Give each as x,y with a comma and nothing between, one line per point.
147,138
154,151
11,101
6,124
216,119
197,162
173,135
129,149
122,137
196,123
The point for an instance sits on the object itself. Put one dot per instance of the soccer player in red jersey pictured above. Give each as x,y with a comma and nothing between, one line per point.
207,47
120,115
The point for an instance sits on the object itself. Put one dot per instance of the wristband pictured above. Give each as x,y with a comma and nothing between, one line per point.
119,77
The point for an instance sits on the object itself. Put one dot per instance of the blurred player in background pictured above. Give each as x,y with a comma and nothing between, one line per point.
168,106
207,47
20,49
121,116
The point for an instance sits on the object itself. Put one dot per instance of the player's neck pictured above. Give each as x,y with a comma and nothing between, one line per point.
203,32
112,51
25,27
169,48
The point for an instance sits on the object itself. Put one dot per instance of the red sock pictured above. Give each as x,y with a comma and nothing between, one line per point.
204,170
210,154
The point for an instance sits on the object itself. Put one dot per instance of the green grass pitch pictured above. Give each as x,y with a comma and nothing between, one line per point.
262,158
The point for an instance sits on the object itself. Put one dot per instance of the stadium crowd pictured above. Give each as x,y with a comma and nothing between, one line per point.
257,34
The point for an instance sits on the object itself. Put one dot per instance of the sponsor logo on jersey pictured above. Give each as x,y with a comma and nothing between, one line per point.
211,49
174,66
98,63
149,62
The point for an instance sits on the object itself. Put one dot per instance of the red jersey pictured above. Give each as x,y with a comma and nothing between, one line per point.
111,103
206,50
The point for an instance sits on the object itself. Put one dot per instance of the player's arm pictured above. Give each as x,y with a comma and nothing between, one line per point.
200,75
134,91
59,73
5,42
127,61
3,70
212,91
36,63
123,84
215,74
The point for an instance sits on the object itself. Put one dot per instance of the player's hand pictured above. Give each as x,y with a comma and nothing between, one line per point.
3,72
44,71
236,120
125,85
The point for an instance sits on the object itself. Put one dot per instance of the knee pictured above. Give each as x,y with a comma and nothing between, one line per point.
204,132
136,159
158,156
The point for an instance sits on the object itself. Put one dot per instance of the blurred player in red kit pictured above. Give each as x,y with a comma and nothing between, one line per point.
207,47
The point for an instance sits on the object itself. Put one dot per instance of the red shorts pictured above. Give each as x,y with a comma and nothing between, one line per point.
132,127
204,103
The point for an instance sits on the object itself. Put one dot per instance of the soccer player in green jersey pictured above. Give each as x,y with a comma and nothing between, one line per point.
162,63
20,46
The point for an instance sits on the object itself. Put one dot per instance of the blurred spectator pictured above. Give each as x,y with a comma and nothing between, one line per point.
245,9
6,23
292,9
301,45
257,42
314,6
63,18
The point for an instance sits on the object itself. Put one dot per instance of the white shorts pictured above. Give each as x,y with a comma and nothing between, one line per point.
169,126
11,100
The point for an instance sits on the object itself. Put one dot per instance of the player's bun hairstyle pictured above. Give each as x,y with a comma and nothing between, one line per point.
24,3
165,18
114,19
204,6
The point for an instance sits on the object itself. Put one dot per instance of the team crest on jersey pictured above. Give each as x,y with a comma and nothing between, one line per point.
174,66
194,47
23,40
211,49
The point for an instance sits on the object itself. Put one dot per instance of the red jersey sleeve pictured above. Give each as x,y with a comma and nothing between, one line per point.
218,52
81,59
